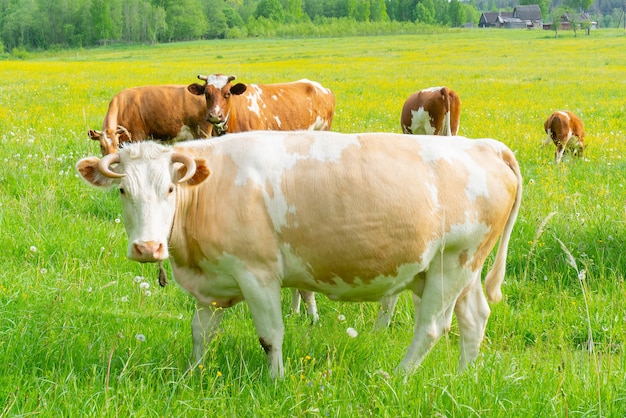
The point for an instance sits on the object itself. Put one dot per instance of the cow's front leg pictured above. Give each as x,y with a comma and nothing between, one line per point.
265,308
204,324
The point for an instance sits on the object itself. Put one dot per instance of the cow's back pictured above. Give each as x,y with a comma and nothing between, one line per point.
299,105
352,216
157,112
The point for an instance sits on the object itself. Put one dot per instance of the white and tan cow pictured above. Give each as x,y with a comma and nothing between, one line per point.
299,105
359,217
431,111
163,112
567,132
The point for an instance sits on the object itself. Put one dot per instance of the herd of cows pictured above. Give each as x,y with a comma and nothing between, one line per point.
272,199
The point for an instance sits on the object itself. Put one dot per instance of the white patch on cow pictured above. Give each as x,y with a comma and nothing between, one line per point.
440,149
217,80
564,114
278,122
432,89
254,95
275,97
320,124
420,122
315,84
185,134
272,160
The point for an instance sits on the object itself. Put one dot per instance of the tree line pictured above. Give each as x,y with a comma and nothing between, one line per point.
52,24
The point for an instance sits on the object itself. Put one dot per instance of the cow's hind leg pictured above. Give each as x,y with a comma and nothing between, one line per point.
385,312
472,312
433,311
205,321
309,303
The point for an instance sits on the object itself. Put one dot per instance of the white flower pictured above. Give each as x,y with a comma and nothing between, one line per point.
144,285
352,333
148,293
140,337
341,318
138,279
33,249
124,299
117,220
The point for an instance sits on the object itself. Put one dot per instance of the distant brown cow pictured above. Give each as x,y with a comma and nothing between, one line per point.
164,112
432,111
299,105
566,130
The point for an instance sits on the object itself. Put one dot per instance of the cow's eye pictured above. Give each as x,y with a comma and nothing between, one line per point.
122,191
171,190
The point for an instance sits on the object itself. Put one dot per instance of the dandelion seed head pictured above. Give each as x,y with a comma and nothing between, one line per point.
124,299
138,279
352,333
341,317
144,285
148,293
140,337
33,249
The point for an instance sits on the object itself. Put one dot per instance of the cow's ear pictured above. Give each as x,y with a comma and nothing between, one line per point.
88,170
201,174
238,88
195,88
95,135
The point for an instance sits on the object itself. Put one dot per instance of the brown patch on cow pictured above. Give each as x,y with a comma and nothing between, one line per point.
436,103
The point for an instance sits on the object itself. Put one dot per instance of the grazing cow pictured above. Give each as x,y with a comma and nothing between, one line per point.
432,111
165,112
299,105
358,217
566,130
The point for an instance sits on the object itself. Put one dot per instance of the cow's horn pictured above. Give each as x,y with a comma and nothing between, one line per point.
105,165
188,162
203,77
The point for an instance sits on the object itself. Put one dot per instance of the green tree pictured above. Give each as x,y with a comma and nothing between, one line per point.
425,12
183,25
456,13
378,11
294,11
270,9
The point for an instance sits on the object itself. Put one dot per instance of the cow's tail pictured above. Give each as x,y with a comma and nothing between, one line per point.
495,277
445,97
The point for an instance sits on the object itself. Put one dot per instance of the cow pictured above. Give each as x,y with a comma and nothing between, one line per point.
298,105
566,130
432,111
358,217
163,112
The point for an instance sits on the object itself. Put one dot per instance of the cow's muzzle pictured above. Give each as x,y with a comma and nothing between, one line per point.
148,251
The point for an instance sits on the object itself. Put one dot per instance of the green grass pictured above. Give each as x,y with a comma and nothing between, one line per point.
71,309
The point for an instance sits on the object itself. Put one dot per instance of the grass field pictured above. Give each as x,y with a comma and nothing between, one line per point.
86,332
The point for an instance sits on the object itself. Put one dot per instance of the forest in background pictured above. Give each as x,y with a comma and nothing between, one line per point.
27,25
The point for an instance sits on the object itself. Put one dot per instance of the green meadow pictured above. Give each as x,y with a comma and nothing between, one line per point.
86,332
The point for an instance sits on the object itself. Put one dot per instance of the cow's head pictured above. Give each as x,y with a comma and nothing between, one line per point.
147,175
110,139
217,90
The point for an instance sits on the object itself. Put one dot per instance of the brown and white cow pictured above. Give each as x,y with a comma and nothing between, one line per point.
432,111
359,217
164,112
299,105
566,130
